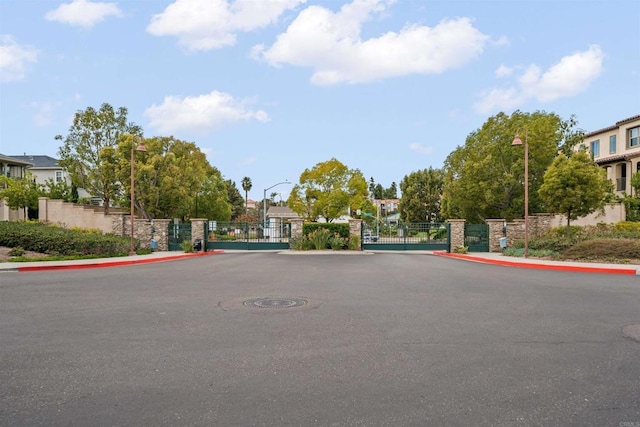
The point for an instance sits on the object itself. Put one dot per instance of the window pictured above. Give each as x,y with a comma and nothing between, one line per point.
595,148
58,176
634,137
612,144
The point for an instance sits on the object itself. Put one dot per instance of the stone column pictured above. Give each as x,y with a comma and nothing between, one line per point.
296,227
515,231
197,231
43,215
456,232
495,234
355,227
161,233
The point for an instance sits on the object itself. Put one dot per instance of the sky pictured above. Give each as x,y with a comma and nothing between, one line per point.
268,89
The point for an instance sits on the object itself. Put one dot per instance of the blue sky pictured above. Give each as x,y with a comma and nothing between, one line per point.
269,88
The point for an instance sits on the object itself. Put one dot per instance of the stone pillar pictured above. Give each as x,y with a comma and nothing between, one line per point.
161,233
495,234
355,227
456,233
197,231
296,227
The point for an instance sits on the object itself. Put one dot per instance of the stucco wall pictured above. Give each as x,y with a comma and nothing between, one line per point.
612,214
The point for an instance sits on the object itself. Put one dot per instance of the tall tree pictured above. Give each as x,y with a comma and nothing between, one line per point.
20,193
485,177
235,199
328,190
392,191
574,186
246,186
421,196
88,151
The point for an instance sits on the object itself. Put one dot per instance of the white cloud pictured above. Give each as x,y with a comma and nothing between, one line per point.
572,75
202,25
14,59
420,149
201,113
504,71
330,43
83,13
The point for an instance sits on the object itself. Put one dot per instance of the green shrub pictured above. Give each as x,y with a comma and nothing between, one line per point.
461,250
354,243
187,246
576,231
300,243
46,239
337,243
627,227
320,238
548,243
519,252
17,251
605,249
341,228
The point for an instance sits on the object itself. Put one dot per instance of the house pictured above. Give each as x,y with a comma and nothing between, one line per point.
44,168
386,206
277,216
617,149
12,168
250,204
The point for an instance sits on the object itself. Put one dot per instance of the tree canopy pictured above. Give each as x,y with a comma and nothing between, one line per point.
19,193
421,196
328,190
484,178
574,186
88,151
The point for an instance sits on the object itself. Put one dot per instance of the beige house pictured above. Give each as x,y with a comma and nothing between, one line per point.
617,149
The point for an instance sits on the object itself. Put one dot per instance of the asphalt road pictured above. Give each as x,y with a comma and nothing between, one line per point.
385,339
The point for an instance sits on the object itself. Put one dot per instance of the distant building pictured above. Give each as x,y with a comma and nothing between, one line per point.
250,204
13,168
44,168
617,149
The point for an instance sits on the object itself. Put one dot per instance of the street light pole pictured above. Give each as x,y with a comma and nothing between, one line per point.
140,147
518,141
264,202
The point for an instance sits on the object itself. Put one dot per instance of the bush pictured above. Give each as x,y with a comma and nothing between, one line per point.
42,238
187,246
336,242
300,244
461,250
354,243
320,238
341,228
17,251
605,249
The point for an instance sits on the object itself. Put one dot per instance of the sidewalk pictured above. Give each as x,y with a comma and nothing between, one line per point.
100,262
584,267
480,257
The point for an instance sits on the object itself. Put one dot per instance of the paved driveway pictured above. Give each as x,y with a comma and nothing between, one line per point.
385,339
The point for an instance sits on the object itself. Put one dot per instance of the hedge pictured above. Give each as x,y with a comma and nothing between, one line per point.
46,239
341,228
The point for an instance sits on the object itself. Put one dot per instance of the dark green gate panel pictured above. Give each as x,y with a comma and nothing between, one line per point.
178,233
407,237
248,236
476,237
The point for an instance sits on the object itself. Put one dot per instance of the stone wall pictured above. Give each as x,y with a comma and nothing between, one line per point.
496,232
355,227
198,231
296,227
456,233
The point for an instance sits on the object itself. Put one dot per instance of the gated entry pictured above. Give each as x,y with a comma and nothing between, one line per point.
406,237
476,237
247,235
178,233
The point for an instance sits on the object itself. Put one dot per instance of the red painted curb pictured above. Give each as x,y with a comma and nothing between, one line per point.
575,268
118,263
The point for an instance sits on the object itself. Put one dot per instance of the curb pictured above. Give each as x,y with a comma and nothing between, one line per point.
105,264
541,266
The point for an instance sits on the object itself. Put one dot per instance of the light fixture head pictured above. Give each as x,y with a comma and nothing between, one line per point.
141,146
517,140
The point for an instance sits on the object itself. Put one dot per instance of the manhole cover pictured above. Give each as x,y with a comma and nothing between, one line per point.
632,331
275,302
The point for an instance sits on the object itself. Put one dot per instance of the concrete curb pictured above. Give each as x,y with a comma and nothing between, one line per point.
114,263
542,265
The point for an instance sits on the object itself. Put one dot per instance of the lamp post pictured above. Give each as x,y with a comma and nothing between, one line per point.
264,202
518,141
140,147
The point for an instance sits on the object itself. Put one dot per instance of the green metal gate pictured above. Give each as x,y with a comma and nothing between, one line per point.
476,237
178,233
248,235
406,237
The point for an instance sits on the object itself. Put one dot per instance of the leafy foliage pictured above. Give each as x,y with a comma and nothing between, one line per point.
574,186
334,228
337,243
484,178
328,190
21,193
246,186
320,238
421,196
605,249
88,151
41,238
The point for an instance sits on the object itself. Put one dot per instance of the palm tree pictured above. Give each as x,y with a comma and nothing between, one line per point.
246,186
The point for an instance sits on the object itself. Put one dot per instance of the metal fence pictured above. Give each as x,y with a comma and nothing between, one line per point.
248,235
406,236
